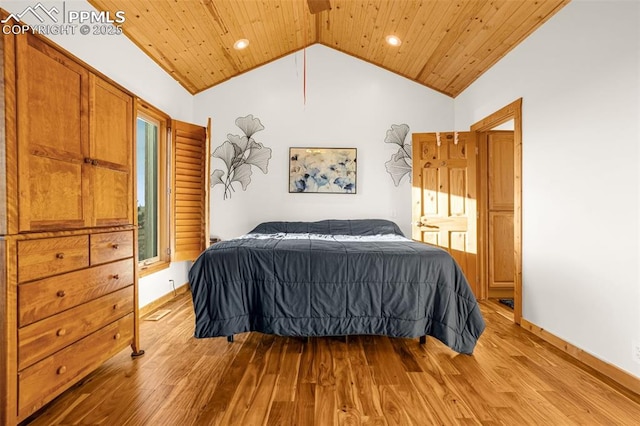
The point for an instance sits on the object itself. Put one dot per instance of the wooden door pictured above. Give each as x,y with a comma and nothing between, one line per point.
111,153
499,172
190,190
444,200
53,138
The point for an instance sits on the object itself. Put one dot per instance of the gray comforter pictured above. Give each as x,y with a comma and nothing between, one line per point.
333,278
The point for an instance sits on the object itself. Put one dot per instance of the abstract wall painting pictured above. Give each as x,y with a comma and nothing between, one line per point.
322,170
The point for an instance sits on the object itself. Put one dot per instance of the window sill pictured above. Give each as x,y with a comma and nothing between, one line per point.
145,270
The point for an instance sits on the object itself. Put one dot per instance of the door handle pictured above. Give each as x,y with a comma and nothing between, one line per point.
426,225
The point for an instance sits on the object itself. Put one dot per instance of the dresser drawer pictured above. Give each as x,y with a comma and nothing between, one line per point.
111,246
45,337
40,299
50,256
46,379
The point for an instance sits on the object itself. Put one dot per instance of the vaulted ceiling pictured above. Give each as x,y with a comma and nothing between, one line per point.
446,44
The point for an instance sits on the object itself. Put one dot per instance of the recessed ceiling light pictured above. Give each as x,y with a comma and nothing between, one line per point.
241,44
393,40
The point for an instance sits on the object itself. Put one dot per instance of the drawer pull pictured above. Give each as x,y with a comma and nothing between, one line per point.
59,255
61,293
116,336
61,370
116,276
115,246
115,307
61,332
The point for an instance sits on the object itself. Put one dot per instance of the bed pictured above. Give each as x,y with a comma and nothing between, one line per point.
333,278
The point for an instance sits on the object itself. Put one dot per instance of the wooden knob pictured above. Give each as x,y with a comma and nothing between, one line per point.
61,370
116,336
115,306
115,246
61,332
116,276
59,255
61,293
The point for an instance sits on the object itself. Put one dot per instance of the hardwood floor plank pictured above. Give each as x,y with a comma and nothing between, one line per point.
346,401
144,412
250,386
290,371
365,392
326,412
281,413
417,409
400,346
393,407
324,365
388,372
305,404
308,362
513,378
232,376
481,382
258,409
446,406
539,411
66,403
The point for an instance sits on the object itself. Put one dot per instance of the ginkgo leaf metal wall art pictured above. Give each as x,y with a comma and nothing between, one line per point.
400,163
239,154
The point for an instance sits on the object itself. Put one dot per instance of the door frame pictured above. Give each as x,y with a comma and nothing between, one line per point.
511,111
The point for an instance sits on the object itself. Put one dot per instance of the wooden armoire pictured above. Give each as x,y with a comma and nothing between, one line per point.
68,270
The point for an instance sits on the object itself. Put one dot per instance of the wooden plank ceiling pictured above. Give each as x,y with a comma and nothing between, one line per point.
446,45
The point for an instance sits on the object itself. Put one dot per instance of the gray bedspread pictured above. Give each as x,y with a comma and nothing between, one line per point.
333,278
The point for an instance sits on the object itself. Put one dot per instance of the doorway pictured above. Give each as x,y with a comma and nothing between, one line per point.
500,270
495,212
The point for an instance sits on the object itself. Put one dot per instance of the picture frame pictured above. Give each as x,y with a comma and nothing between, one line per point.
322,170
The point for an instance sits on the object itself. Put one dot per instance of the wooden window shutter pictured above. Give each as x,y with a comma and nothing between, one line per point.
189,190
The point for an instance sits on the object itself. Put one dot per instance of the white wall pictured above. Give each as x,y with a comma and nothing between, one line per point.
579,77
119,59
350,103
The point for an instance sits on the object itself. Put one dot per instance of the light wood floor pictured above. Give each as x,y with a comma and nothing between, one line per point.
513,378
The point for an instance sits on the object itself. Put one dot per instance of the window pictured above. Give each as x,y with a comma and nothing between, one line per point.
152,188
148,189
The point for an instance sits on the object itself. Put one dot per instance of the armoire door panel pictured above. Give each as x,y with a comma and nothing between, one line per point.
111,125
53,140
111,153
56,194
54,91
111,196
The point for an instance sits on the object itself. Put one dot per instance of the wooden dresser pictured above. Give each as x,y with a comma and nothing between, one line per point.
68,270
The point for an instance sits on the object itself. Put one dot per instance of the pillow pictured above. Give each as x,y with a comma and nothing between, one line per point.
331,227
